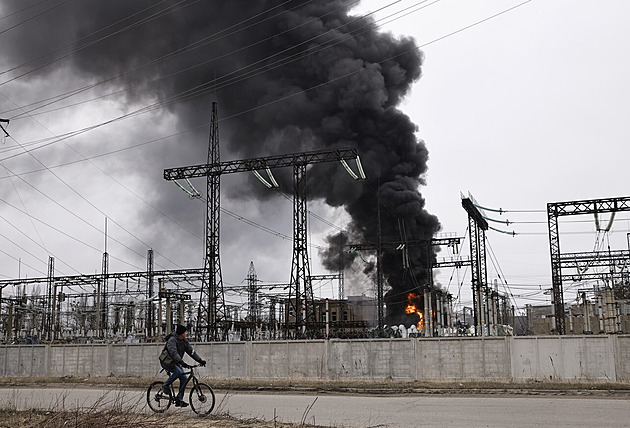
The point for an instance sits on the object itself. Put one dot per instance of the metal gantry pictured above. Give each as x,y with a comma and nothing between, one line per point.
45,312
560,261
301,289
477,226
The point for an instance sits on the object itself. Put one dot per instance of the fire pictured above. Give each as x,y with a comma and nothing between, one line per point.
413,309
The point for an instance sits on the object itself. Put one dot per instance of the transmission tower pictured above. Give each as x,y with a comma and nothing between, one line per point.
50,306
150,307
300,292
211,299
252,293
477,226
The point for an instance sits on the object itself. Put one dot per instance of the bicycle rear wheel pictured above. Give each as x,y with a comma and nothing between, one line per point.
201,398
157,400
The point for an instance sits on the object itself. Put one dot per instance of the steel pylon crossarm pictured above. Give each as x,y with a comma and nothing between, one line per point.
279,161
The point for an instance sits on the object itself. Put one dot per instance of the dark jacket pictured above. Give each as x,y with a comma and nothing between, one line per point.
176,348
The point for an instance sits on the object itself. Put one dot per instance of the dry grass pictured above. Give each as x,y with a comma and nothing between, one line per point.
116,409
118,419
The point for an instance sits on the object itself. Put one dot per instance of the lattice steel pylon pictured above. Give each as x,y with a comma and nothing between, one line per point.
252,293
477,227
300,269
211,299
104,290
150,319
49,305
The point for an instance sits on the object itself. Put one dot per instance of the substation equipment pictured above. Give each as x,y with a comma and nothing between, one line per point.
153,301
579,266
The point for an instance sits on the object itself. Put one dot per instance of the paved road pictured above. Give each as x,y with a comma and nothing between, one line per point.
444,411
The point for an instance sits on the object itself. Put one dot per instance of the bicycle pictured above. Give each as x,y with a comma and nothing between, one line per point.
201,397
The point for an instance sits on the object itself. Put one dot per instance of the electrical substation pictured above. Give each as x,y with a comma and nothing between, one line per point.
146,305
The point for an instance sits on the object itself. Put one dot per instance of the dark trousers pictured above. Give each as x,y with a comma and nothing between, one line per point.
176,372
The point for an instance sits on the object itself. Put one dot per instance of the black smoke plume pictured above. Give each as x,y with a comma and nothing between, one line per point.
339,81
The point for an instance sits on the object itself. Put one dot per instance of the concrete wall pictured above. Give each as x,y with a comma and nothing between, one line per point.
566,358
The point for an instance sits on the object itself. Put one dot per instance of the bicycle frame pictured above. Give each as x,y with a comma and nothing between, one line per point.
191,375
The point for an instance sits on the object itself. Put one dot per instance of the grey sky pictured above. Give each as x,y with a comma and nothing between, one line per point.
527,108
523,109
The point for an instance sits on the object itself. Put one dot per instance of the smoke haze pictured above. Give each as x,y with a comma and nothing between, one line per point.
340,82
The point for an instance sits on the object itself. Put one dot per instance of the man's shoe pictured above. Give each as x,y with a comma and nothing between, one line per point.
181,403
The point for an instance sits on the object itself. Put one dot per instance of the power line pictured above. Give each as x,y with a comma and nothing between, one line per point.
149,108
22,10
77,91
32,17
155,16
195,91
68,235
346,75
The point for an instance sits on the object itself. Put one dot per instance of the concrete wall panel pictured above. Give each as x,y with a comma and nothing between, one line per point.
37,361
117,359
19,360
564,358
137,361
462,359
64,360
269,360
473,359
398,361
623,358
569,358
307,359
496,358
349,359
375,359
224,359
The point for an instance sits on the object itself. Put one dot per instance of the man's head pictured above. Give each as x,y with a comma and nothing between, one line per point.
181,331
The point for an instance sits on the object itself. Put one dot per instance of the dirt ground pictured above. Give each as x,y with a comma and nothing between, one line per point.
345,386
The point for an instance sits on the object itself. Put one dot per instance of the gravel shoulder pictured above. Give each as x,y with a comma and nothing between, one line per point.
616,389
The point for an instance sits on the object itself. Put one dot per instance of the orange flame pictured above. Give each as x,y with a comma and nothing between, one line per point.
413,309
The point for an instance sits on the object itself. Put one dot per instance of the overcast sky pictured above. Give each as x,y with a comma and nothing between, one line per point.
522,109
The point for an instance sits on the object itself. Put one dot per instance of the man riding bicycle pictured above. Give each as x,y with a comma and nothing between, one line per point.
176,345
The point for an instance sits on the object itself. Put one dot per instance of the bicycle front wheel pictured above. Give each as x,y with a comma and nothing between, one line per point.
157,400
202,398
